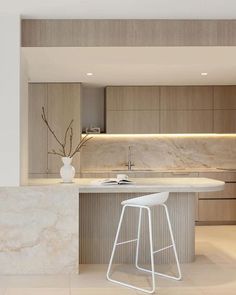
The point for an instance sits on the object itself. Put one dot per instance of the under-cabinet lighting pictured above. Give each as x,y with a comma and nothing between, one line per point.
173,135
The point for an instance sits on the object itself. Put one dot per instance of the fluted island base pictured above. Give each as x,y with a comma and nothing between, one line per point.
99,217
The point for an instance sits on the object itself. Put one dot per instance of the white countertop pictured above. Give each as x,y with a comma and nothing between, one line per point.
89,185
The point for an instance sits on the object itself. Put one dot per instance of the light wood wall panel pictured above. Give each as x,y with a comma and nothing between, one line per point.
140,122
46,33
224,97
63,105
224,121
186,97
186,121
132,98
37,129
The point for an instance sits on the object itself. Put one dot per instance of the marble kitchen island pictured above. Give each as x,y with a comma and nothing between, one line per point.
49,228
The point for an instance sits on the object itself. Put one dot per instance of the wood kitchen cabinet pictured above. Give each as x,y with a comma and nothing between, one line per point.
225,97
186,109
224,121
37,132
182,121
218,207
171,109
132,109
132,122
186,97
224,109
132,98
62,103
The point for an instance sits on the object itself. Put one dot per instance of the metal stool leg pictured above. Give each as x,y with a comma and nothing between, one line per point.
138,237
165,248
151,252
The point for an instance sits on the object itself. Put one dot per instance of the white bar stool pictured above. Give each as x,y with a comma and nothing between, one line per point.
145,202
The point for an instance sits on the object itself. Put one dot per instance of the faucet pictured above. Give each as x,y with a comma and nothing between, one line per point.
129,163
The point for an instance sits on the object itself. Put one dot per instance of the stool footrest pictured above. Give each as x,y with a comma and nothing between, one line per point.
126,242
159,273
162,249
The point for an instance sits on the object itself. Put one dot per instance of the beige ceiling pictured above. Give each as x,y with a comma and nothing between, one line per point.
133,66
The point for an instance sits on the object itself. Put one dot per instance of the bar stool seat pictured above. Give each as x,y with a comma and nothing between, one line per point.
148,201
145,202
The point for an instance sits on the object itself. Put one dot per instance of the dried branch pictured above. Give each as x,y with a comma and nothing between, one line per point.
80,145
53,152
71,141
62,151
65,137
49,128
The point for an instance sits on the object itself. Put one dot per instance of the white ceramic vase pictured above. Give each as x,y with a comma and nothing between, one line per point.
67,171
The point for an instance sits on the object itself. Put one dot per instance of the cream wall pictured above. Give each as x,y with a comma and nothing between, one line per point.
10,100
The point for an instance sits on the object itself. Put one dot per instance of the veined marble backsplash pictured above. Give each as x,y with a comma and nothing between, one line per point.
108,152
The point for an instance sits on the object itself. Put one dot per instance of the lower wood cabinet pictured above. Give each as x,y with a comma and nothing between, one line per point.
221,210
218,207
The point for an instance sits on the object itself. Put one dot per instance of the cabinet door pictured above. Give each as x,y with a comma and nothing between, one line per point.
229,192
139,122
217,210
224,97
132,98
186,98
186,121
37,129
224,121
63,106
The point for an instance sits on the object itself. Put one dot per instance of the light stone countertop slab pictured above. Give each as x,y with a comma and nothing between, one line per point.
91,185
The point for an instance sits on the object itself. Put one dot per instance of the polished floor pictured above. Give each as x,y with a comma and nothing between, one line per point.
213,273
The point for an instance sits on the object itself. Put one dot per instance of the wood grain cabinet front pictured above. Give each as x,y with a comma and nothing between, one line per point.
218,207
186,109
37,132
132,109
62,103
63,106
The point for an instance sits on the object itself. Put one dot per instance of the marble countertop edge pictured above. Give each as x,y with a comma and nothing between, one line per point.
89,185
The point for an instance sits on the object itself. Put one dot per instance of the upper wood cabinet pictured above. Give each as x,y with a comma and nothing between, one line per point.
132,98
132,109
186,98
171,109
225,109
186,109
224,97
132,122
62,103
225,121
194,121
